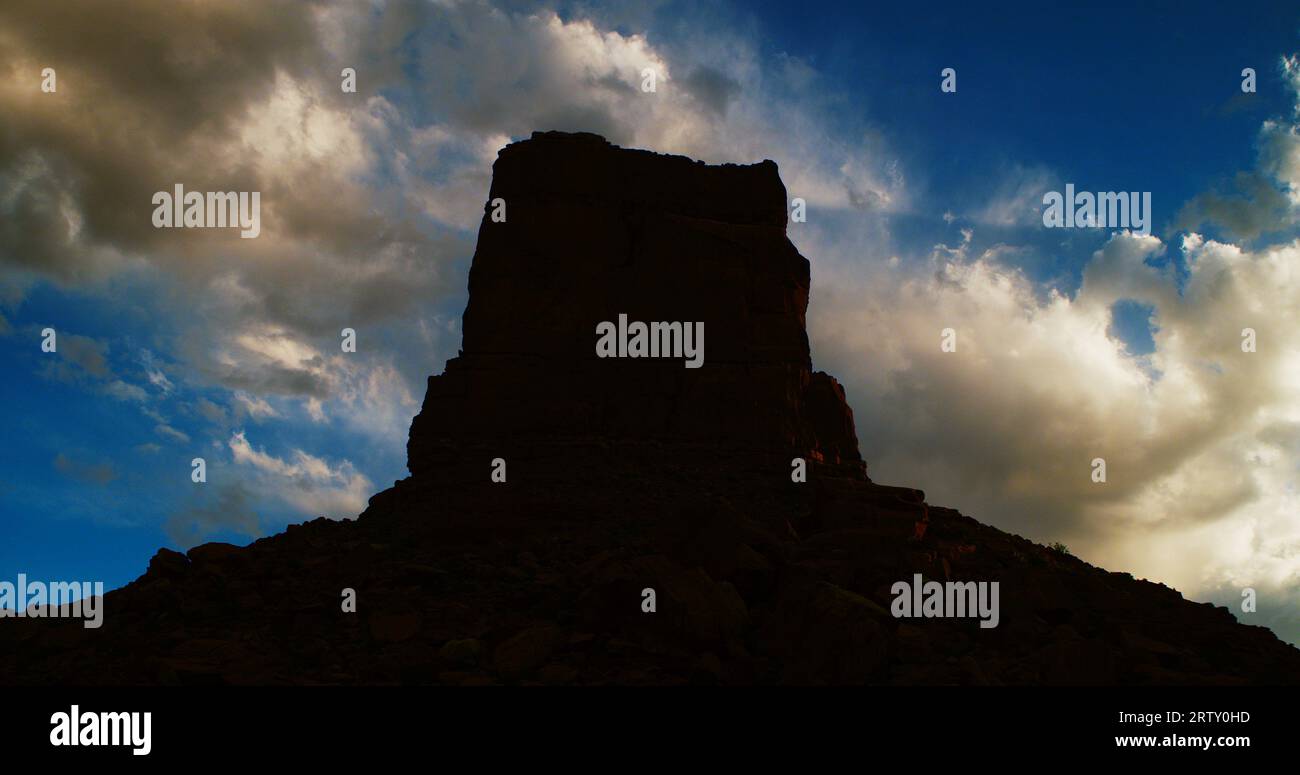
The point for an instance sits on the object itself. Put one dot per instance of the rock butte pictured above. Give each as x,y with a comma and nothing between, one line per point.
634,473
595,232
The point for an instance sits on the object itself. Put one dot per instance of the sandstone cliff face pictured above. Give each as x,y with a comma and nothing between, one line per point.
625,475
592,232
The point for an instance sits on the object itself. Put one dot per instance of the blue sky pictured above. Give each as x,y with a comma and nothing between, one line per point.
172,347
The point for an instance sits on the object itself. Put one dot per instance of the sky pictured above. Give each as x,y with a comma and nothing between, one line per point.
924,213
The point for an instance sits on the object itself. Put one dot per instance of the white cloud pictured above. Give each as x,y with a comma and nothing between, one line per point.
256,408
163,429
722,102
125,391
310,484
1018,198
1202,460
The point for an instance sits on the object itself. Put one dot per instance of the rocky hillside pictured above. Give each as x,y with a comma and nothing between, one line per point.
627,474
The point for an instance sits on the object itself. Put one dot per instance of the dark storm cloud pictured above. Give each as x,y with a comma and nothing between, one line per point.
231,96
216,97
133,111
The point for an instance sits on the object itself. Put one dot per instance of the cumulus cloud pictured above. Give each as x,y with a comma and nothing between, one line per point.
1201,458
574,75
1198,435
240,96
